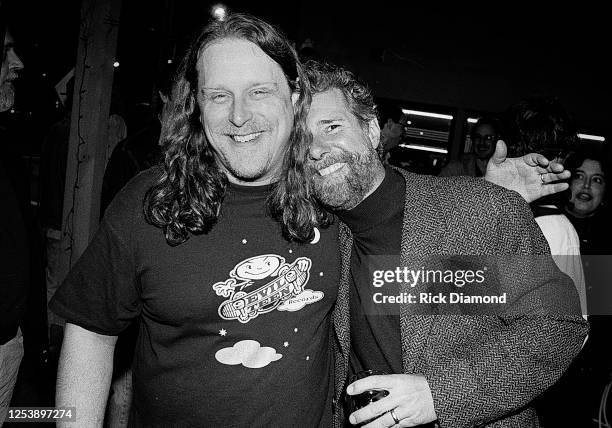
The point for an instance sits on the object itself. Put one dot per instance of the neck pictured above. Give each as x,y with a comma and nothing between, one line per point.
579,215
272,176
264,181
379,176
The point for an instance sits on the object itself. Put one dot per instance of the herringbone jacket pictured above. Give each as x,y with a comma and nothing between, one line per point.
483,370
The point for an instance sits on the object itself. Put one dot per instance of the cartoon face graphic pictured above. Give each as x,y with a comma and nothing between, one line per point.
258,267
283,288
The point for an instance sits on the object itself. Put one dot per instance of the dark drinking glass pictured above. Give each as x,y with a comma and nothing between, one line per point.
356,402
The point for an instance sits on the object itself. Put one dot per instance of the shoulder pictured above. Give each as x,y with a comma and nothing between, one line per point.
145,179
560,233
556,221
459,191
468,207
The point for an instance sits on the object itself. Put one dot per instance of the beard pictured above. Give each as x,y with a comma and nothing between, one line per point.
346,188
7,95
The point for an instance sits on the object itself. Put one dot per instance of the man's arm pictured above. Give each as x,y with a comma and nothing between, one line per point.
84,375
523,350
483,368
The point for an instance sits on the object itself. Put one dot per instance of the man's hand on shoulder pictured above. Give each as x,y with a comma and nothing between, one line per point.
409,401
532,176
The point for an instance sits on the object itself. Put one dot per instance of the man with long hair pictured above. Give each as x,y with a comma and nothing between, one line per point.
458,365
234,319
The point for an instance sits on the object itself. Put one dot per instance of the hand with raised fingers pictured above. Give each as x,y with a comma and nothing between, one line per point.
532,176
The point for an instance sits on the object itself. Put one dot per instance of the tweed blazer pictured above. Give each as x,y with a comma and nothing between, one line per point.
483,369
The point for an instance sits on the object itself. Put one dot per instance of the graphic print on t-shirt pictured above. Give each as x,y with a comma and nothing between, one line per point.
249,353
263,283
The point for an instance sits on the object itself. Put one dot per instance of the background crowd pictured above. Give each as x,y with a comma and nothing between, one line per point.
35,132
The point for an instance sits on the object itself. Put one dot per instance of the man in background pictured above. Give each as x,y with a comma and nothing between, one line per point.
14,255
484,135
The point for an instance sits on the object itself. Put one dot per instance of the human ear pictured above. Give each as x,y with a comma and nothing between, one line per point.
374,132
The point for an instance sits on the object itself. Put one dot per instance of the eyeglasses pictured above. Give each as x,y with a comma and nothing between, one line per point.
486,138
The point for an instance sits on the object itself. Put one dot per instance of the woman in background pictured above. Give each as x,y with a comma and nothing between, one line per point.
586,207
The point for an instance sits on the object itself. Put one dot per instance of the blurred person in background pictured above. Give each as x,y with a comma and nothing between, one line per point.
542,125
586,207
140,150
14,259
484,135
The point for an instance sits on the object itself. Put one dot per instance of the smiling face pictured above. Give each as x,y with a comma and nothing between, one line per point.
343,164
484,138
11,64
246,110
588,187
258,267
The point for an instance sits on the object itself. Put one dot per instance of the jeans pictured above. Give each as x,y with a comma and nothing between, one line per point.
54,251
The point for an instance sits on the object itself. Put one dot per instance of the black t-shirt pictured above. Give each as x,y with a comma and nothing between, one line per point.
235,323
376,224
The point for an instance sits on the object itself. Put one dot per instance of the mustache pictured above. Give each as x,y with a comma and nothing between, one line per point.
330,160
250,128
11,76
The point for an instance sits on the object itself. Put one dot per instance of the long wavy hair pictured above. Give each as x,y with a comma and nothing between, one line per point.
294,198
292,203
187,197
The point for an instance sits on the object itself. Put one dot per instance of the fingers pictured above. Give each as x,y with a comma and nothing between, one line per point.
501,152
549,178
556,167
402,413
552,177
536,159
368,383
384,421
551,189
543,164
375,410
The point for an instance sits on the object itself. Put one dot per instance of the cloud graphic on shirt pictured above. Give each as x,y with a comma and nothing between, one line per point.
249,353
296,303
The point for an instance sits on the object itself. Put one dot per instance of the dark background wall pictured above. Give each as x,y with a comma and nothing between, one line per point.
460,56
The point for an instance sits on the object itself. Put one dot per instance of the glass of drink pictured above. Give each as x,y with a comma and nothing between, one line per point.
356,402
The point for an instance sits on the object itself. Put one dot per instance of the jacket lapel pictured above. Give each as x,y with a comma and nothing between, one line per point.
341,316
422,230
